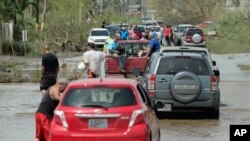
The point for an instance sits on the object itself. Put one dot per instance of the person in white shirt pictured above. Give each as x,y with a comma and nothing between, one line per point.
93,60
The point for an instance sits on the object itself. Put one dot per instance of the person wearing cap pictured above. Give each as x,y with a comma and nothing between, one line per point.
92,60
154,45
49,69
45,111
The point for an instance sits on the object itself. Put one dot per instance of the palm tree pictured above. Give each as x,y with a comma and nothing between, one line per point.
10,9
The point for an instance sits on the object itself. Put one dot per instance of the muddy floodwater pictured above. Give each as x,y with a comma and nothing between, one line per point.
19,103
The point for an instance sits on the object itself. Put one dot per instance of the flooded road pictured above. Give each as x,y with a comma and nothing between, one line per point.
19,103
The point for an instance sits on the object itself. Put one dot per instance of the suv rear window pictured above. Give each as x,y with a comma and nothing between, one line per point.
99,96
191,32
170,66
99,33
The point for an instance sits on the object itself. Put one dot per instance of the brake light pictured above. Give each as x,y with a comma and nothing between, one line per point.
189,39
213,83
60,119
151,84
137,117
203,38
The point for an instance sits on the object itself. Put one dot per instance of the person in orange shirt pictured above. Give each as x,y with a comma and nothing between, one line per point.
167,34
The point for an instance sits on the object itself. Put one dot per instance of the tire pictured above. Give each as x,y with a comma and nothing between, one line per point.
214,113
192,88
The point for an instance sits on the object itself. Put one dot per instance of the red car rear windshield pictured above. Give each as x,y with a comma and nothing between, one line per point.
99,96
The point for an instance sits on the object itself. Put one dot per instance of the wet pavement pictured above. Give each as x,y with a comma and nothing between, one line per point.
19,103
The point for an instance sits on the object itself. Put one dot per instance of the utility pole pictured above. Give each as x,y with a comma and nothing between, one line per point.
101,5
142,7
44,14
1,45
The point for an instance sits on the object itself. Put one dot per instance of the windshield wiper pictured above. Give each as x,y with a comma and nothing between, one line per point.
171,72
96,106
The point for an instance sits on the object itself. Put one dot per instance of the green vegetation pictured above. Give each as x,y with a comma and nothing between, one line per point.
244,67
234,34
223,46
11,64
57,22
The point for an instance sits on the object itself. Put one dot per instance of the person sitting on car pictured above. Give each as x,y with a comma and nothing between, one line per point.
112,45
122,58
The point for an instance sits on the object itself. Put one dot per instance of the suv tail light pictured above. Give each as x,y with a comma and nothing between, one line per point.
137,117
213,83
189,39
151,84
60,119
203,38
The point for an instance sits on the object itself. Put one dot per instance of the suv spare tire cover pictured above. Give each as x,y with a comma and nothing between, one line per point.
196,38
185,87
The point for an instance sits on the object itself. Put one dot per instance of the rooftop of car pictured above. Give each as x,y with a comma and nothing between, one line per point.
184,48
99,29
185,25
104,82
133,41
175,54
154,26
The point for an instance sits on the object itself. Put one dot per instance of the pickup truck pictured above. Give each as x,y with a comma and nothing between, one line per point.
134,61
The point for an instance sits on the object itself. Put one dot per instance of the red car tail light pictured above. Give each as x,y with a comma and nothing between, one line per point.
189,39
151,84
203,38
60,119
214,83
137,117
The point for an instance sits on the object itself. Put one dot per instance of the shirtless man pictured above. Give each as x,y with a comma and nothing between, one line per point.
46,109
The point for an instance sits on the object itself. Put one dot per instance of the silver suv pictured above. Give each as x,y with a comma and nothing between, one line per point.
181,80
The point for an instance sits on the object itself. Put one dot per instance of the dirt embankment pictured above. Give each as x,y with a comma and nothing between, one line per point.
27,69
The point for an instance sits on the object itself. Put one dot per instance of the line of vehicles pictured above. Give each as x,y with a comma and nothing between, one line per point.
175,79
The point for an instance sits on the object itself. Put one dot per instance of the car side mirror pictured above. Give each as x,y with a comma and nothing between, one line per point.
214,63
216,72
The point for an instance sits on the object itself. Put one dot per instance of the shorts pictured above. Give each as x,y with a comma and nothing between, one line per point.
42,127
47,81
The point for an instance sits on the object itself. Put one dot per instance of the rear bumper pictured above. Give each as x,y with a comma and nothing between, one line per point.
136,133
196,105
194,45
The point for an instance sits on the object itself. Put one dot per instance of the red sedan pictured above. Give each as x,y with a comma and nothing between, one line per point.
107,109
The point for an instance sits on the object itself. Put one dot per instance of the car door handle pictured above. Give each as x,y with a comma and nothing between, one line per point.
162,81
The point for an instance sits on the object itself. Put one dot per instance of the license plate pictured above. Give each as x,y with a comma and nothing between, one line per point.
167,107
98,123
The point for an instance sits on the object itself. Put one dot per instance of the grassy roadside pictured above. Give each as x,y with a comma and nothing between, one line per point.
225,46
244,67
